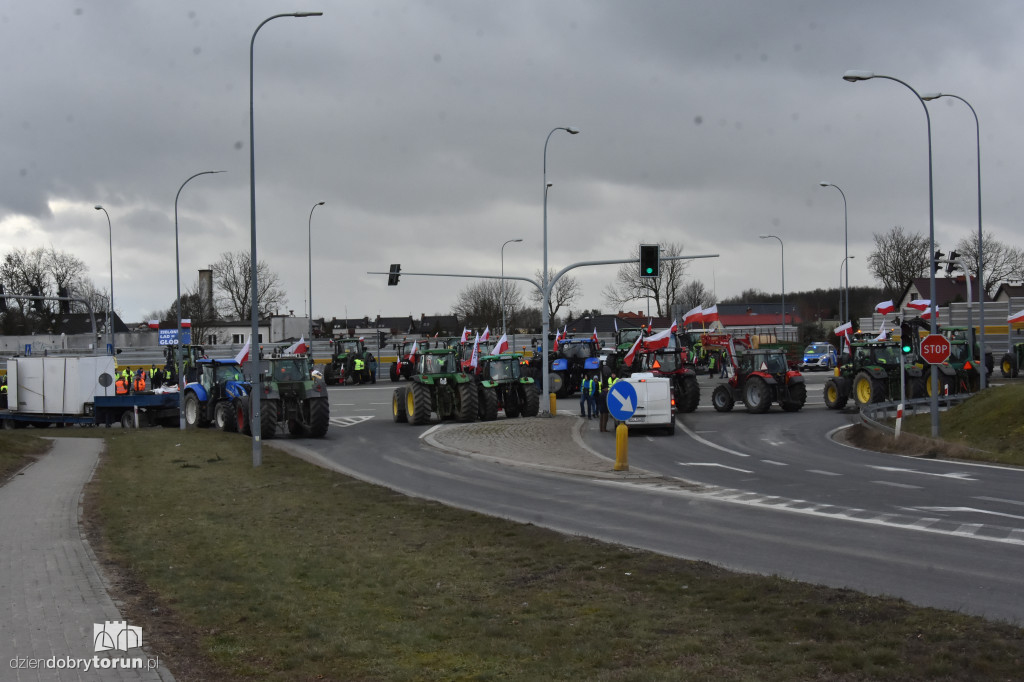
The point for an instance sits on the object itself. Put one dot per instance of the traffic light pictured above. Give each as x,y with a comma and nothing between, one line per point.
907,337
393,274
938,256
952,264
649,260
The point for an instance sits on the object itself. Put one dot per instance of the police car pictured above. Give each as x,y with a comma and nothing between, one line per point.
819,355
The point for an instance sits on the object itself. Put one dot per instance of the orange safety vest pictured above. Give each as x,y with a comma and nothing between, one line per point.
140,383
121,387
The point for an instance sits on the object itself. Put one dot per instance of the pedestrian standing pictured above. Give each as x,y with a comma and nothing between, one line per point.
723,361
595,383
586,388
711,365
605,387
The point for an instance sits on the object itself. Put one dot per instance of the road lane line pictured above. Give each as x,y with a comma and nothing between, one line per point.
712,464
705,441
899,485
822,472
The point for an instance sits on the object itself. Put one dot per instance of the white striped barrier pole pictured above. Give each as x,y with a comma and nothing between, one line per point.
899,419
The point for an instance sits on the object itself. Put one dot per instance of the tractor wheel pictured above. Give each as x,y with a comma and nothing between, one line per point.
756,395
487,401
398,405
127,420
867,389
531,401
689,394
1008,365
797,398
944,385
837,392
468,410
512,403
241,408
295,428
721,398
224,417
268,418
194,411
417,404
393,372
319,417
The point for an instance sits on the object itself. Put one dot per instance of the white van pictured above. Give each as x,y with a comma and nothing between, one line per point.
655,408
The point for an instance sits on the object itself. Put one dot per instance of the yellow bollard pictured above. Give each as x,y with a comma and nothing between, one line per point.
552,404
621,448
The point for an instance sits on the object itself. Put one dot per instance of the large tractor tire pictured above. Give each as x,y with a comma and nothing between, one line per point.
721,398
916,387
468,406
393,372
867,389
689,393
837,393
512,403
487,402
319,417
241,409
224,417
797,398
757,396
398,405
194,411
1008,366
268,419
531,401
944,385
417,404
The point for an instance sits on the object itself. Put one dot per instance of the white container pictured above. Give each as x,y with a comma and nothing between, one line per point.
58,385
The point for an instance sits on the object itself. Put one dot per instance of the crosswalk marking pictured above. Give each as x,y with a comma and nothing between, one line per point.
349,421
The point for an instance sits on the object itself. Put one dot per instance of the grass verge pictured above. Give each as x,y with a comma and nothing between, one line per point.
290,572
18,448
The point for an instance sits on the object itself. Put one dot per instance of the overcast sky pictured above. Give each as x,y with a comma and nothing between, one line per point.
422,127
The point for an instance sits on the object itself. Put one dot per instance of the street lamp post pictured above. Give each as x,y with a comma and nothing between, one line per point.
846,252
310,227
257,445
772,236
981,259
177,274
844,263
545,313
510,241
853,77
110,236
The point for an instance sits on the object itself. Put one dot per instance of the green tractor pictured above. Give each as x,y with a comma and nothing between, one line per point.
871,374
1011,363
342,367
503,385
437,384
291,396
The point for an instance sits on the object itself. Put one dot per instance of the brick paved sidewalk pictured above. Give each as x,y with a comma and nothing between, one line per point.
53,592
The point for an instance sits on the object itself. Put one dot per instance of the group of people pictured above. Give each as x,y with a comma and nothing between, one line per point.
129,381
594,398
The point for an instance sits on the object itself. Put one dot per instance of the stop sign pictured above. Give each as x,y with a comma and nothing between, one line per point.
935,349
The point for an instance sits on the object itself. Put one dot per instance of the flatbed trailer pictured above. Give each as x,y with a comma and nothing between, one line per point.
153,409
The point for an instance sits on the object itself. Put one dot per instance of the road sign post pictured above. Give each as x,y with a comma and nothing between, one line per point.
621,405
935,349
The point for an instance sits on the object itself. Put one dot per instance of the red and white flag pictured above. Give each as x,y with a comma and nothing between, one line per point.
710,314
885,307
297,348
628,360
486,335
1016,317
501,346
659,340
920,304
593,337
154,324
927,315
476,352
693,316
186,323
465,335
412,351
844,329
243,355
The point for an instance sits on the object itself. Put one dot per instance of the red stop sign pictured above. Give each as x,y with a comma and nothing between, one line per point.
935,349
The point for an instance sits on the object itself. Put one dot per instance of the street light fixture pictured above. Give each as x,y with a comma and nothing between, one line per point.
981,259
310,228
772,236
110,235
510,241
845,315
177,274
853,77
257,445
545,314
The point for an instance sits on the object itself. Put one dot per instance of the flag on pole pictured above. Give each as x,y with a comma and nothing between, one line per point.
709,314
465,335
882,336
593,337
693,316
486,335
844,330
885,307
628,360
297,348
616,321
412,351
1016,317
154,324
186,323
920,304
243,355
661,339
501,346
927,314
476,349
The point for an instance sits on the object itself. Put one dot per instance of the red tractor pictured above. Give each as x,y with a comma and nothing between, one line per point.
760,377
407,352
671,363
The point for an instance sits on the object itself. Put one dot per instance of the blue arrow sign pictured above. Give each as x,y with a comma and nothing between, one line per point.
621,400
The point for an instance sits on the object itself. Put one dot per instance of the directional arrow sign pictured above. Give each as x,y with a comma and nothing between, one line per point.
621,400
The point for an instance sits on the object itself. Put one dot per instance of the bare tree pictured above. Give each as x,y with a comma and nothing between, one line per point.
67,272
1002,262
234,286
693,294
665,290
566,290
898,258
479,305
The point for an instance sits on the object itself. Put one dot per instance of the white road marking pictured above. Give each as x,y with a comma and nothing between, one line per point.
958,475
1018,503
772,461
967,509
823,473
898,485
349,421
712,464
704,441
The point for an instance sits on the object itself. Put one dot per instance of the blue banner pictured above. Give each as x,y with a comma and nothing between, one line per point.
168,336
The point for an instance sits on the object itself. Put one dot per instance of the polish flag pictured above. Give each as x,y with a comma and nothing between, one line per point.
486,335
476,350
186,323
628,360
844,329
243,355
1016,317
710,314
593,337
927,315
465,335
412,351
297,348
920,304
558,337
501,346
154,324
885,307
693,316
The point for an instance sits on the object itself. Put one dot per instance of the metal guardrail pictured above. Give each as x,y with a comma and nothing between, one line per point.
871,413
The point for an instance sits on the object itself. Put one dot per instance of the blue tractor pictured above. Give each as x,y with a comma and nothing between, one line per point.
218,395
575,359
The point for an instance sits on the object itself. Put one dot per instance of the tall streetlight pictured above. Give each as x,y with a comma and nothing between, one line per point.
177,271
545,313
844,320
110,235
772,236
853,77
846,252
981,261
310,227
510,241
254,418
